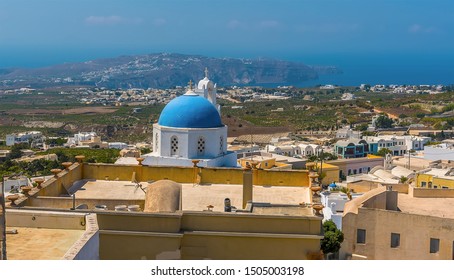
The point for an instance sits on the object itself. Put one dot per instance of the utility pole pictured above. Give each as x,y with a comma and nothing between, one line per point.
409,155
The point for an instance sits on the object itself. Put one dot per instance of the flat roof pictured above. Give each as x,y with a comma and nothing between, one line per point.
105,189
198,197
438,207
40,243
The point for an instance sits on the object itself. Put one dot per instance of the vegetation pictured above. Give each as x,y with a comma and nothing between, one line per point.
38,167
383,152
333,238
41,167
91,155
383,121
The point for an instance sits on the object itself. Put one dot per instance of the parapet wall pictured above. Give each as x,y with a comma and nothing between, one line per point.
207,235
194,175
431,193
365,186
59,185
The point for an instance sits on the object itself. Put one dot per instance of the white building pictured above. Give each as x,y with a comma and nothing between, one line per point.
24,137
82,138
308,150
347,133
117,145
285,150
443,151
190,128
348,96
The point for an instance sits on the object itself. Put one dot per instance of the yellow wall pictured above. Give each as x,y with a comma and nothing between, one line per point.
189,174
439,182
264,163
331,171
207,235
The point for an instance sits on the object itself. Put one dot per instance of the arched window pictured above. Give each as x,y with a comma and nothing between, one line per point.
201,146
174,146
156,142
221,145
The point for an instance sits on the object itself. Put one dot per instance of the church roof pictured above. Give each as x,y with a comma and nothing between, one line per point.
190,111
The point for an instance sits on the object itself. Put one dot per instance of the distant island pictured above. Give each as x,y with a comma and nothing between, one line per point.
164,70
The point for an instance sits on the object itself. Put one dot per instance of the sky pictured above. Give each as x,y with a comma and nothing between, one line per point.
45,32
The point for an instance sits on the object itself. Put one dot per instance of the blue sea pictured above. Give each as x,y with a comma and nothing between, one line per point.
409,69
358,68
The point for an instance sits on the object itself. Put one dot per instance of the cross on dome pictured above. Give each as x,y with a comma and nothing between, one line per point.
206,72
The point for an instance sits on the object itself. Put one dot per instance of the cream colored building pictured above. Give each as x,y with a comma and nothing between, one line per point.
271,214
412,224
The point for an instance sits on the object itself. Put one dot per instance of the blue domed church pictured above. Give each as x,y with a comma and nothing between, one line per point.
190,128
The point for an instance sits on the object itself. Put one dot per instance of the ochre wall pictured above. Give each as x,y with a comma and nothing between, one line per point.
439,182
435,193
207,235
190,175
415,233
365,186
67,202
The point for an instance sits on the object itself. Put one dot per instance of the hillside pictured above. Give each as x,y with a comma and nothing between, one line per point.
164,70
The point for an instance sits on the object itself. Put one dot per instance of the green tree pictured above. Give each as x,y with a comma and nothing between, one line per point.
383,121
383,152
144,151
332,239
15,152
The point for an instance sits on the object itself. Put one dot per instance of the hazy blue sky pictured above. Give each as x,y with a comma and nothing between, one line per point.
51,31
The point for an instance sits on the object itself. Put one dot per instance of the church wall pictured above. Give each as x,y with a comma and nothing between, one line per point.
212,142
166,137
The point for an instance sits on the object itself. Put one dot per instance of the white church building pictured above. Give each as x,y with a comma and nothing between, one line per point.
190,128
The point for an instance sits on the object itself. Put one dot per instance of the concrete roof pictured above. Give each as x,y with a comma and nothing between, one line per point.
198,197
105,189
438,207
40,243
127,160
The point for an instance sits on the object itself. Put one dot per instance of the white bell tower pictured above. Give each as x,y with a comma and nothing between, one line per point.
207,89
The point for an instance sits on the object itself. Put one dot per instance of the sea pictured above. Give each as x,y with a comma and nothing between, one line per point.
386,69
401,68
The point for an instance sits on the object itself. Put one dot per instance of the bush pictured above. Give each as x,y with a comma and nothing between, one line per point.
333,238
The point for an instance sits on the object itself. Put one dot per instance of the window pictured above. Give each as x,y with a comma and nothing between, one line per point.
395,240
361,236
354,171
434,245
201,146
174,145
221,144
156,141
423,184
349,172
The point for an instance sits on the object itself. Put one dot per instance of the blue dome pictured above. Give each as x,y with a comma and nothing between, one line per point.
190,111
